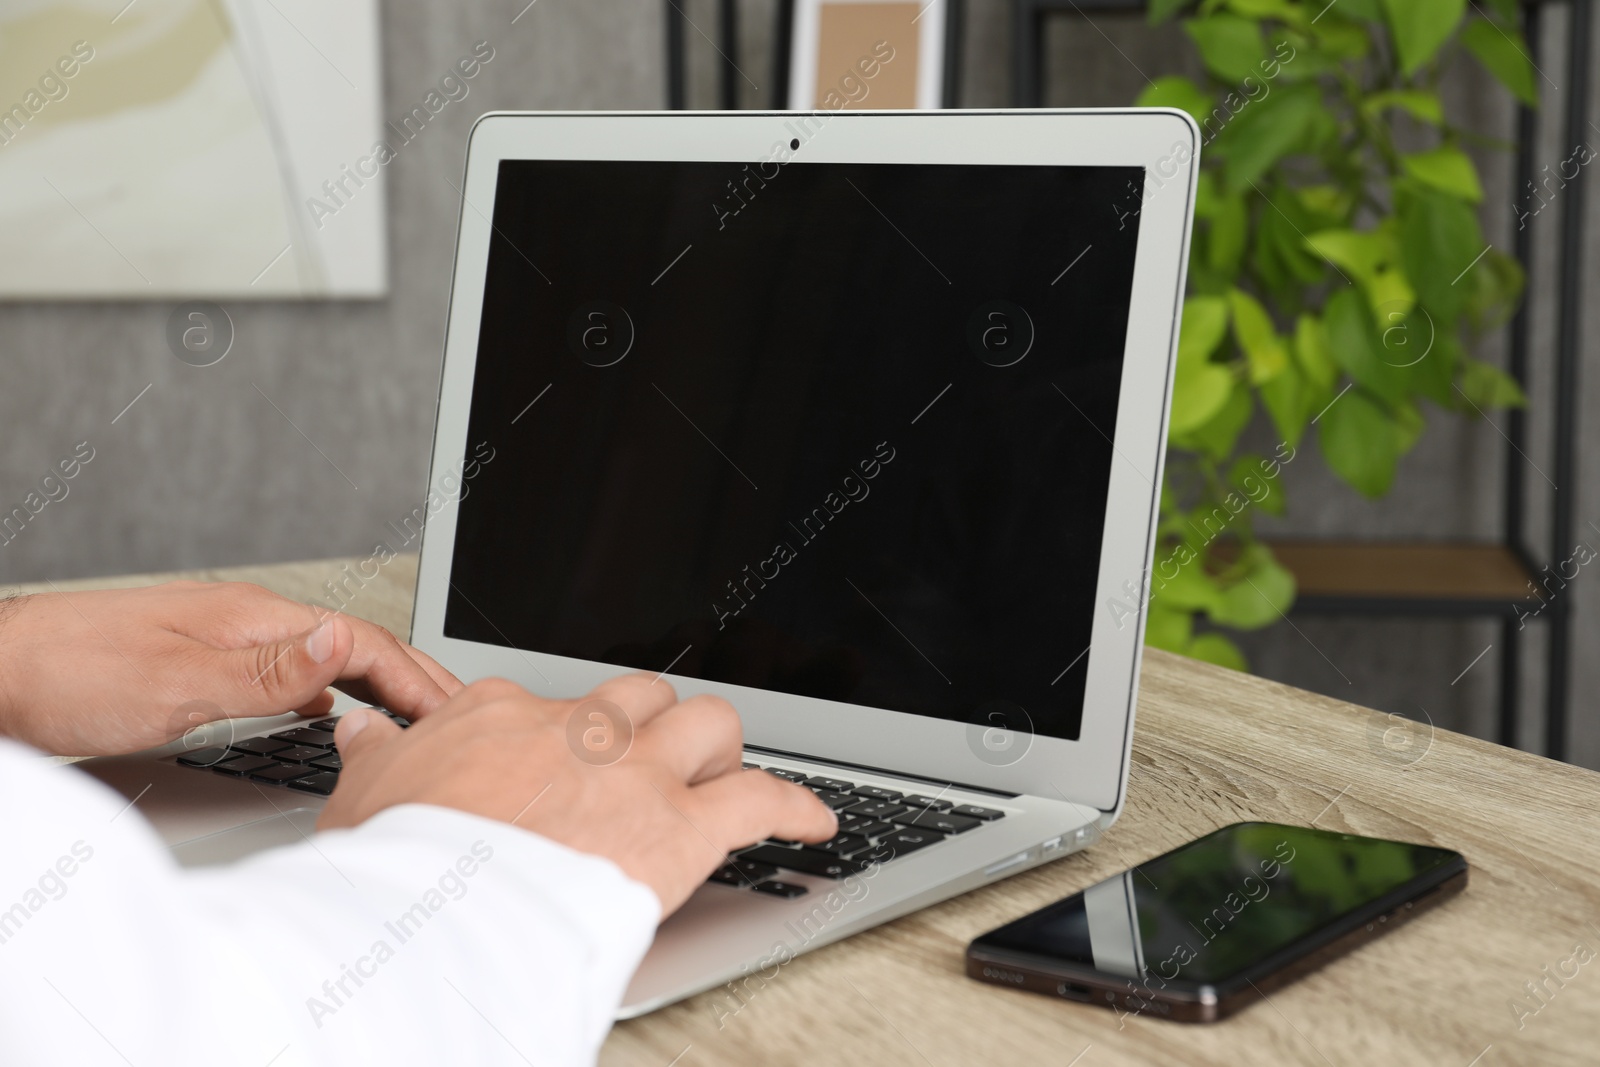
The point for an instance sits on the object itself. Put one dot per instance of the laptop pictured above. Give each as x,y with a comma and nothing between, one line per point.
855,419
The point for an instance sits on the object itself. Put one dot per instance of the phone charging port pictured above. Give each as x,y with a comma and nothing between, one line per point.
1073,991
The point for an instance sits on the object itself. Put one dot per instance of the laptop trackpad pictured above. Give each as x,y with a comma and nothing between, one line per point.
287,828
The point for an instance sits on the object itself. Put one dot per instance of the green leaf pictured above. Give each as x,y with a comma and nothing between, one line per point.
1419,27
1356,346
1497,283
1162,10
1371,258
1506,9
1167,627
1264,9
1189,589
1218,435
1214,648
1328,202
1228,231
1420,105
1434,375
1266,131
1408,425
1311,351
1261,596
1198,394
1488,386
1504,54
1231,47
1360,442
1439,242
1258,338
1365,10
1200,387
1179,92
1205,324
1249,475
1291,399
1445,169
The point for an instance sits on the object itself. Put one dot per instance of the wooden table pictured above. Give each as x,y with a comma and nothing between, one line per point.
1211,747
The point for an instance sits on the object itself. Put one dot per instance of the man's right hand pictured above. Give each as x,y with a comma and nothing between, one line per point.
667,810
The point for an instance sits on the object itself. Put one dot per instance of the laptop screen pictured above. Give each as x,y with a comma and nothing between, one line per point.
835,430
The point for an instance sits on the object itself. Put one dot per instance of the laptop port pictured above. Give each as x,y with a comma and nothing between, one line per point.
1074,991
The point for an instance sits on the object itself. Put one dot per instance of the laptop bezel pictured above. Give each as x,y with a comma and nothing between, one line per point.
1091,769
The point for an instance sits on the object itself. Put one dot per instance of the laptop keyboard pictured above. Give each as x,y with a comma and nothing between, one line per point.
302,758
876,824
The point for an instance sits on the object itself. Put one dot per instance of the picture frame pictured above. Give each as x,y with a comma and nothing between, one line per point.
821,46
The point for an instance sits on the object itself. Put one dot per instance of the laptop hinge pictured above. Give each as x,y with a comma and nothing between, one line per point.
833,762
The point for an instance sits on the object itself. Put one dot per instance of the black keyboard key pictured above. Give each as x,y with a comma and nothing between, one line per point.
743,872
925,803
786,890
240,766
260,746
300,754
933,820
862,826
835,800
804,860
873,792
972,811
831,784
327,724
303,736
205,757
282,772
789,776
844,845
900,844
878,809
330,761
752,766
321,783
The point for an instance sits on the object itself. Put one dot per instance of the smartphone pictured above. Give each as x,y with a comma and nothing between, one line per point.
1206,929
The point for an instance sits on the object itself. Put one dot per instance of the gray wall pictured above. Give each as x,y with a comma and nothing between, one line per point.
203,470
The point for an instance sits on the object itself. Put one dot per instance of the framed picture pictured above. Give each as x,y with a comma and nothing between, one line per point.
871,54
183,149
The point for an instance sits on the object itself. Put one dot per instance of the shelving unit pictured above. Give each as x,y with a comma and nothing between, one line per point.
1450,580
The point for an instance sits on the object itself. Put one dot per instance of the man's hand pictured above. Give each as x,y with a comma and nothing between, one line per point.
84,674
667,810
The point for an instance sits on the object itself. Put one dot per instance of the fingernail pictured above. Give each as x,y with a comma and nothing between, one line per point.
319,643
350,724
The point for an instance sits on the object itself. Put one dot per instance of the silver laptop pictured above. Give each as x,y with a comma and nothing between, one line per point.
855,419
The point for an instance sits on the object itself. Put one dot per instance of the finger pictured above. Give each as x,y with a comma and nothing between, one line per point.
745,807
362,730
274,676
380,670
319,705
447,681
698,739
640,698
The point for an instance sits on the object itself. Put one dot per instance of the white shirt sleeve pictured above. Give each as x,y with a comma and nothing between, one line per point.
425,935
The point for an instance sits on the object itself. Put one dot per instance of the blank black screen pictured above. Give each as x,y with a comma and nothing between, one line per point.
834,430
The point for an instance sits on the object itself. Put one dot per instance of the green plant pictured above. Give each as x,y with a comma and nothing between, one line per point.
1336,278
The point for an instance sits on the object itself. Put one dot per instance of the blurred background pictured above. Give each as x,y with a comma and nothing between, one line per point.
221,159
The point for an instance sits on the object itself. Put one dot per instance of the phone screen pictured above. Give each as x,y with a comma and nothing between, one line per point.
1214,908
